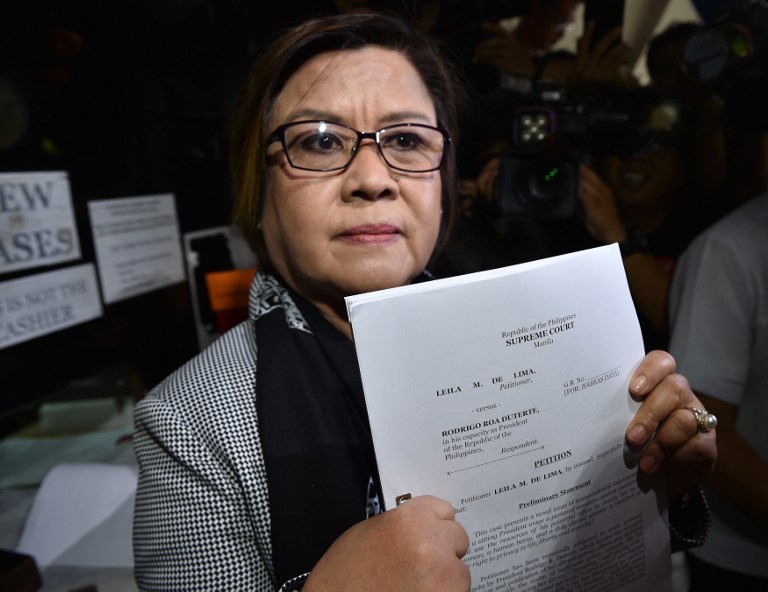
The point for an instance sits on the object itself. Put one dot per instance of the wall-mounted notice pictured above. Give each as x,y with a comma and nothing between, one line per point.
138,245
37,222
40,304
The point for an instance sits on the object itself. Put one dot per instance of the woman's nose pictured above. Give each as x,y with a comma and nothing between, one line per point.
369,176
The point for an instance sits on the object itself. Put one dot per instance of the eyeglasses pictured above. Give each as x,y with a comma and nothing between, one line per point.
322,146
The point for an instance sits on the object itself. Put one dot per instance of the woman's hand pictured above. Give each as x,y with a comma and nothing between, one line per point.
415,547
666,426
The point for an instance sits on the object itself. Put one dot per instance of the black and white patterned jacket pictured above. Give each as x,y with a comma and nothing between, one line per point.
202,518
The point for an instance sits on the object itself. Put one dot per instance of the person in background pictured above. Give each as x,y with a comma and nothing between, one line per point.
652,194
702,112
631,188
724,109
507,65
257,468
719,337
642,201
508,69
526,54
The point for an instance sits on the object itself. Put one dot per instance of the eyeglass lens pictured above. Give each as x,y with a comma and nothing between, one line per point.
321,146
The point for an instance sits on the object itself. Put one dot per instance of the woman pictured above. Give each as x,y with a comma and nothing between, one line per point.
256,458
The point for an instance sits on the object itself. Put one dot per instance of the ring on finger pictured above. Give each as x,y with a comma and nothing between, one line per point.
705,421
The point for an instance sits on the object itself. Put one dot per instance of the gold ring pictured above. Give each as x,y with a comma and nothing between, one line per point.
705,421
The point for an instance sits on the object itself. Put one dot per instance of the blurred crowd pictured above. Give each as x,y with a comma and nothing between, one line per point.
570,150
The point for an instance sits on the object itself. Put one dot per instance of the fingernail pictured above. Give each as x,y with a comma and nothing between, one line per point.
648,463
638,385
637,434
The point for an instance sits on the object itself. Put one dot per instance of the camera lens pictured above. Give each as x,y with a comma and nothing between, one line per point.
540,184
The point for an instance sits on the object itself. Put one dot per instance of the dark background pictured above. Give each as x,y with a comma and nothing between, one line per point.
130,98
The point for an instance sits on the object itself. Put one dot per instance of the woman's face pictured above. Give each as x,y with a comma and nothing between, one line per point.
367,227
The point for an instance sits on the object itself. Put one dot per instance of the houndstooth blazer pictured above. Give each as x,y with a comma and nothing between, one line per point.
201,519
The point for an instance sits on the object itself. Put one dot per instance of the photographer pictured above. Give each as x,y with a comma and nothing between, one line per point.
504,65
642,202
605,176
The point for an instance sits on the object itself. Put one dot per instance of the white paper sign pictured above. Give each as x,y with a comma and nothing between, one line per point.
48,302
37,222
138,245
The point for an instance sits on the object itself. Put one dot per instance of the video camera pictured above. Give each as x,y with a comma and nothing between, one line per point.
554,131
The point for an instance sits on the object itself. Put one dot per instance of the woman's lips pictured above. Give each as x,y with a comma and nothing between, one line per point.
371,234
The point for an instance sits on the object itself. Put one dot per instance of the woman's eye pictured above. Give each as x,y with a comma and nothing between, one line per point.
404,142
321,143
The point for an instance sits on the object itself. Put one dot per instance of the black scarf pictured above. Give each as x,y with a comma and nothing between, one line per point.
314,428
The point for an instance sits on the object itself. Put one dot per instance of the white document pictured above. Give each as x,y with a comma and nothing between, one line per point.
506,393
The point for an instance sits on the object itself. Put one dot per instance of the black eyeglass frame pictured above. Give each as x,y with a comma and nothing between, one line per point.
278,135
